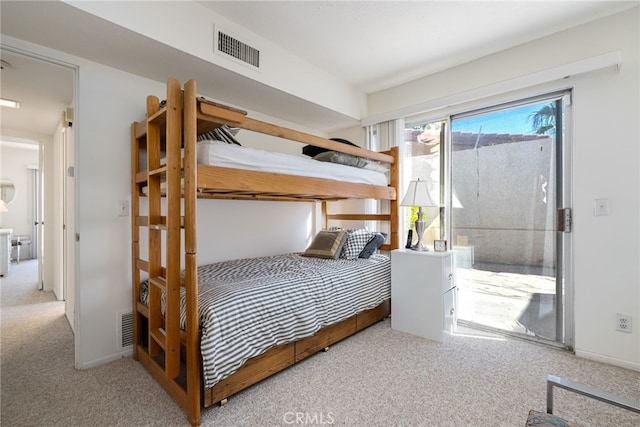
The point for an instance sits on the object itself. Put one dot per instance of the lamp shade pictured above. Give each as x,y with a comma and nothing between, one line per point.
418,195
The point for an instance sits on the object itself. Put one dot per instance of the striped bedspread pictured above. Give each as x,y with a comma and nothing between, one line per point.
250,305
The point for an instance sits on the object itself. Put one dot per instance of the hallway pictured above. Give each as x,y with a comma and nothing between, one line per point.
36,346
41,387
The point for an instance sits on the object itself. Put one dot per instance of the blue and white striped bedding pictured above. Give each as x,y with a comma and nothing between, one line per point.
250,305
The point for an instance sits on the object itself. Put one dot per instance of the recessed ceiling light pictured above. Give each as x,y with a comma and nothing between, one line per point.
9,103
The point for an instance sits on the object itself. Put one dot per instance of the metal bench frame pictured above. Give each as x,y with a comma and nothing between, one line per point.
602,396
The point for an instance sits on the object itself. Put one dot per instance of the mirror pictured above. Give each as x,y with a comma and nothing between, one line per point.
7,190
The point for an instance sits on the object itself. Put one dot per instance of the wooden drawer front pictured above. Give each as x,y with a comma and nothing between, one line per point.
341,330
325,337
369,317
254,370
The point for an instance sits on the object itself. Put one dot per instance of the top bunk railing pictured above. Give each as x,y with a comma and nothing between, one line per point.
211,115
213,182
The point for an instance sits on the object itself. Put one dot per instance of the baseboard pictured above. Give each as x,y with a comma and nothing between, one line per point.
107,359
607,359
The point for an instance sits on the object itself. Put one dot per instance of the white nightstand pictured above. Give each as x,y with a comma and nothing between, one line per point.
423,293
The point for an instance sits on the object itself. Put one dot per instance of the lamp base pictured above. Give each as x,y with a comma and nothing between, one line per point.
420,226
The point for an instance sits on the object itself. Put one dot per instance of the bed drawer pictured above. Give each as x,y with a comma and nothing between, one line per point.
369,317
325,337
254,370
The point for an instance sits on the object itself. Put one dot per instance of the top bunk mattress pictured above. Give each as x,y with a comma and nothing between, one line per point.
218,153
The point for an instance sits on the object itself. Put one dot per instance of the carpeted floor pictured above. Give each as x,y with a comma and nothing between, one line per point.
380,377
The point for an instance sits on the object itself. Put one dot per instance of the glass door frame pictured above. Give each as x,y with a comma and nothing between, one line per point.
564,307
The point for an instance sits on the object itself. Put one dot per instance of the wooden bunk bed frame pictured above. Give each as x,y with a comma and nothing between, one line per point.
172,354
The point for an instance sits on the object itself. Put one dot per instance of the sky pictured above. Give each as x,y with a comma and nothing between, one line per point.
515,121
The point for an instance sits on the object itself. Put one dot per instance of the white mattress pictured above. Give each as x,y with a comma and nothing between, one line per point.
217,153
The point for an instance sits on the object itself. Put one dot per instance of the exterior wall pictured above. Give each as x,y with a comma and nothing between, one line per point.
508,212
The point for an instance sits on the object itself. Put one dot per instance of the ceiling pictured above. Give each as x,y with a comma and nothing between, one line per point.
377,44
43,89
372,45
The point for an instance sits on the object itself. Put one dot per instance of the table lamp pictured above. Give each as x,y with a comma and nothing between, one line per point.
418,195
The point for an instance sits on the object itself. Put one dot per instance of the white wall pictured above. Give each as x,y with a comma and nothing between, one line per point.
606,161
109,101
15,157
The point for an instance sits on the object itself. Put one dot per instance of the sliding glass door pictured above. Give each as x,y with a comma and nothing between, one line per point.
508,189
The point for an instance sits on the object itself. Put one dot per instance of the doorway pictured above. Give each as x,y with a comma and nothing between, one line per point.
45,89
509,169
20,196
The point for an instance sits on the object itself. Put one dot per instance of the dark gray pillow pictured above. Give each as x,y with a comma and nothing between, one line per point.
342,159
351,160
312,150
326,244
373,245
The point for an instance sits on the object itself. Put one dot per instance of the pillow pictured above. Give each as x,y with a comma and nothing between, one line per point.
341,158
326,244
223,133
312,150
373,245
375,166
356,241
350,160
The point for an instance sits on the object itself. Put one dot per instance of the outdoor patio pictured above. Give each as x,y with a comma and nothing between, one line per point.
512,298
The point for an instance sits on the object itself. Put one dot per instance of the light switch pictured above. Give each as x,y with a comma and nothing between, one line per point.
123,208
601,207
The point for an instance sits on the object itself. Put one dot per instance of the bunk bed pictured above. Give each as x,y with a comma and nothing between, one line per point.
167,170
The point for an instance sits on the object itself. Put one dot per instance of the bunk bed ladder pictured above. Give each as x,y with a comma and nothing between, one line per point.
158,335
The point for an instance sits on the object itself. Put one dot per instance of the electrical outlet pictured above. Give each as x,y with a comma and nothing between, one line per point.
623,323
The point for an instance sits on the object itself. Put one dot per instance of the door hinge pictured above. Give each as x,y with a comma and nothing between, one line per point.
565,220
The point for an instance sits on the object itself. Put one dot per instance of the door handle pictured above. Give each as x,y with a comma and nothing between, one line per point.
565,220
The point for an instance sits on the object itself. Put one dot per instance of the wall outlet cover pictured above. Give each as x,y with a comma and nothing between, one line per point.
623,323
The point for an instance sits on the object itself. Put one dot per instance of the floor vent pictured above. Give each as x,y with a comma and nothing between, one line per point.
126,329
233,47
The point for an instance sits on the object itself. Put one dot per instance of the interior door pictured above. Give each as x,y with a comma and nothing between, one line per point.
68,233
508,176
38,224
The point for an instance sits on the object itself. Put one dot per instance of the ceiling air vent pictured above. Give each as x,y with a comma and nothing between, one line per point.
241,51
